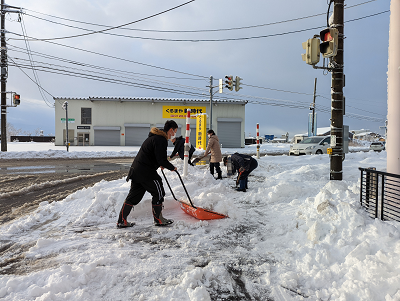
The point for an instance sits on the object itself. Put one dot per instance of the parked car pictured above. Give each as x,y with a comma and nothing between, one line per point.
377,146
315,145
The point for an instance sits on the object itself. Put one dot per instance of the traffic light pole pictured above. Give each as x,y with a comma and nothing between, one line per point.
337,103
3,70
314,132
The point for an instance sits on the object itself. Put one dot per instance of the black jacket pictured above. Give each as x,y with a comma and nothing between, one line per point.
241,160
152,154
180,148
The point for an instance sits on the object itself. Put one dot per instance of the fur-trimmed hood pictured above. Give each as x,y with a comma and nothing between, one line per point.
157,131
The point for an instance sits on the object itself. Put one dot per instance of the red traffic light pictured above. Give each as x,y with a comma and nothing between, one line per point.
17,96
327,37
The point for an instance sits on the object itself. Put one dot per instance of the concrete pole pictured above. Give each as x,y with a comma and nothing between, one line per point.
337,106
393,116
187,145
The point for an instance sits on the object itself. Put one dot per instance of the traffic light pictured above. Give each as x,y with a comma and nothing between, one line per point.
229,82
329,42
312,48
238,83
16,99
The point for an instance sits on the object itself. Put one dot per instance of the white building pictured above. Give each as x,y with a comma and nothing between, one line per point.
127,121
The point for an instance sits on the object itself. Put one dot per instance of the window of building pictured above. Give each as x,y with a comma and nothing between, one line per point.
86,115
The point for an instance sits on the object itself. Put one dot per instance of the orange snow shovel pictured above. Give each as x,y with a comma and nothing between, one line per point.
197,212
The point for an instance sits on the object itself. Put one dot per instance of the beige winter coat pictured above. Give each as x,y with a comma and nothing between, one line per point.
215,149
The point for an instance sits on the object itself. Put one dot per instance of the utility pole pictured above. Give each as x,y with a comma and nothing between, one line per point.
65,106
3,68
313,108
211,100
337,105
393,88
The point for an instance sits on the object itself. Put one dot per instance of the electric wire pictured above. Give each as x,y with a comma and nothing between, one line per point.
30,77
260,101
118,58
48,103
188,31
202,40
122,25
21,50
50,66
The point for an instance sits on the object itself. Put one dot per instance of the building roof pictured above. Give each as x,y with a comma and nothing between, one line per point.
154,99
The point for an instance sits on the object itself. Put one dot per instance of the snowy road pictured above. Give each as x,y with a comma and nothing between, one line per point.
26,183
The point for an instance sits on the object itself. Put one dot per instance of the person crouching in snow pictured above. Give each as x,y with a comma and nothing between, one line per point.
144,177
244,164
179,148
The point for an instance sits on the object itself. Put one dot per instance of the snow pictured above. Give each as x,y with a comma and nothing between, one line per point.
294,235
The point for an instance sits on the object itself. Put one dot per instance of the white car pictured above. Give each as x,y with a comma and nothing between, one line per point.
377,146
315,145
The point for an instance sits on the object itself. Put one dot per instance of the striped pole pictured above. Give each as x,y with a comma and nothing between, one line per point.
258,141
187,144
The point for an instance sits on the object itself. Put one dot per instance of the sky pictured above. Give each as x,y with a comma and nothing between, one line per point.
294,235
275,78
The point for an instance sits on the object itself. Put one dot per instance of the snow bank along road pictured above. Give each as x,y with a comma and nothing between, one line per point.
26,183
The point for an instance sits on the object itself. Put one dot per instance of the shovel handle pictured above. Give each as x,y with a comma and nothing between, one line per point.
169,186
185,189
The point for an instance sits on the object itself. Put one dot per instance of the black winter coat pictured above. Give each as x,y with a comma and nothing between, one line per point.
241,160
180,148
152,154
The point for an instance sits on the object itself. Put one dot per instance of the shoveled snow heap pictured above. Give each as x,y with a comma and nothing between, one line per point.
294,235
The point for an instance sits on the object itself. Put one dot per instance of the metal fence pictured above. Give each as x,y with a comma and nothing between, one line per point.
380,194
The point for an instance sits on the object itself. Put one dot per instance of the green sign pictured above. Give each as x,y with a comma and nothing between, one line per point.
70,120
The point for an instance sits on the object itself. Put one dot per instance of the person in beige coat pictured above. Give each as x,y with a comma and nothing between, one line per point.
214,148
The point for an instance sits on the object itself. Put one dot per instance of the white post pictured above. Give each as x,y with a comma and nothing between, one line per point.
187,144
258,141
393,116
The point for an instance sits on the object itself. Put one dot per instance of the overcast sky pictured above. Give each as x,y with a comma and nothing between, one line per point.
273,62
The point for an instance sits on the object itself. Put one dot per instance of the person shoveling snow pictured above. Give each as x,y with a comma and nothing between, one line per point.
144,176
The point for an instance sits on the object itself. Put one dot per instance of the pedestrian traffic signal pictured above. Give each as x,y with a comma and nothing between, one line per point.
329,42
229,82
16,99
238,83
312,48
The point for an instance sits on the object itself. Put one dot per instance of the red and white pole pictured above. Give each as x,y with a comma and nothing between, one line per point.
187,145
258,141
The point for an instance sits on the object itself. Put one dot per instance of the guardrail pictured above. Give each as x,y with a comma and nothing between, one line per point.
380,194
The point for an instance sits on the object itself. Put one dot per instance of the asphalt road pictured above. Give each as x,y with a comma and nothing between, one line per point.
26,183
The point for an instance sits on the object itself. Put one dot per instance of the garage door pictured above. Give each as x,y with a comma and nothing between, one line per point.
107,135
135,134
229,132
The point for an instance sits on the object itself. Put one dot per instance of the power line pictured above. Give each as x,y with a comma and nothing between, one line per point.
201,40
33,68
20,50
126,24
108,74
187,31
113,57
31,78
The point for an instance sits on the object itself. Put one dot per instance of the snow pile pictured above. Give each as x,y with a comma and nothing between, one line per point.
41,150
294,235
